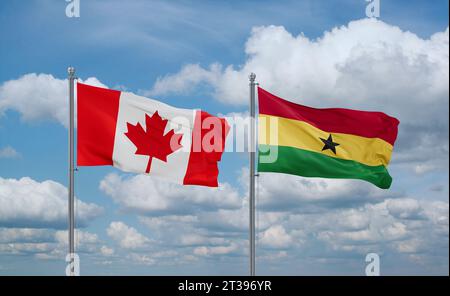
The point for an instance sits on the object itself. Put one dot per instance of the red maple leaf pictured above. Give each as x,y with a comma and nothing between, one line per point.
152,141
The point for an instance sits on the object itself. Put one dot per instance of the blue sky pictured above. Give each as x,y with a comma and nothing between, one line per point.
398,65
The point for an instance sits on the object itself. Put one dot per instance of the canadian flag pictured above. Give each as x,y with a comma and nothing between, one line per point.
141,135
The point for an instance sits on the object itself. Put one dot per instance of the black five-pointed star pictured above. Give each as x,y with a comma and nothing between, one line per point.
329,144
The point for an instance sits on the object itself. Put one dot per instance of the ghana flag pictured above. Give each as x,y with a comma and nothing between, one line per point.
328,143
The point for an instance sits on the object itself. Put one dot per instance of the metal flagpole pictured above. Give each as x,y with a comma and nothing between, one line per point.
252,149
71,73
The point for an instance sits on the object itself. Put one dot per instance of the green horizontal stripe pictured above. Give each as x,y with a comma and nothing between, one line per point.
305,163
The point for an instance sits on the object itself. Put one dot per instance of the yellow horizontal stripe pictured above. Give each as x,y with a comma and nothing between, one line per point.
281,131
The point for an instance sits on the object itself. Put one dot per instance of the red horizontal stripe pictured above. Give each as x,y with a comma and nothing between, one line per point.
333,120
97,110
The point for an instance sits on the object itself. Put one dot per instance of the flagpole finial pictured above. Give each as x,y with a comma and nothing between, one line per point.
71,71
252,77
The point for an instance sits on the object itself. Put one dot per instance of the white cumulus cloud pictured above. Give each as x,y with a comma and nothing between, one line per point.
46,243
275,237
127,237
39,97
146,195
28,203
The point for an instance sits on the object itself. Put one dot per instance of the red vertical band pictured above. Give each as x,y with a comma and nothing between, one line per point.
97,116
208,144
